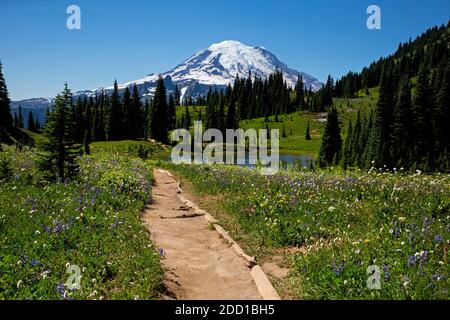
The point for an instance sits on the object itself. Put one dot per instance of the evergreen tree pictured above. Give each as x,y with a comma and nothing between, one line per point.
177,96
115,116
147,119
159,127
356,149
307,134
78,118
20,122
86,142
88,118
299,93
31,122
58,149
327,94
127,124
421,112
221,121
442,118
37,126
172,112
379,149
330,150
402,126
136,115
365,160
16,120
346,152
6,119
232,122
186,118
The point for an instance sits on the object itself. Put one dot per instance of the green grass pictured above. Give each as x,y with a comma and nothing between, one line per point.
295,126
346,222
93,222
194,112
130,148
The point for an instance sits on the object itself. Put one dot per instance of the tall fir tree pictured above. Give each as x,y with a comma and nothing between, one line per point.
115,116
299,93
402,126
186,118
20,122
147,119
177,96
347,151
379,143
16,120
356,149
158,126
37,125
127,123
442,120
307,133
31,123
232,122
78,118
137,116
58,150
330,150
422,124
172,112
6,119
87,124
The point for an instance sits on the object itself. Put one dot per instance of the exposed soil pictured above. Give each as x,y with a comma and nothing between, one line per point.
198,263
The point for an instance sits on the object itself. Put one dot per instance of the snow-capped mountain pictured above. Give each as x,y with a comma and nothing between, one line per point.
215,67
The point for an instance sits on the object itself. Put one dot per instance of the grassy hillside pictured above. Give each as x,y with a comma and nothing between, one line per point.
17,136
296,123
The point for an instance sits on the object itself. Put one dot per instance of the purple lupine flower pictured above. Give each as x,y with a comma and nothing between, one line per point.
115,224
437,277
424,256
58,228
411,234
437,238
35,263
412,260
338,269
387,274
396,232
60,289
426,223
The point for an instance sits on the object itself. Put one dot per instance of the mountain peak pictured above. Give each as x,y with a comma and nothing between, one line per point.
219,64
227,43
232,44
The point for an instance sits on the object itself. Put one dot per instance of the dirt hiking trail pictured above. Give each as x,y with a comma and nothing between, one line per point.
198,263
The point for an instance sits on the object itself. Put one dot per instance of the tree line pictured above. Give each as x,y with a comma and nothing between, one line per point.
32,124
252,97
409,126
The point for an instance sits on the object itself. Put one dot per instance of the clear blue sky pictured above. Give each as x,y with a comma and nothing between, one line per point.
130,39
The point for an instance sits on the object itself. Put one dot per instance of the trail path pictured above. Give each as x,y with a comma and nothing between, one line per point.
198,263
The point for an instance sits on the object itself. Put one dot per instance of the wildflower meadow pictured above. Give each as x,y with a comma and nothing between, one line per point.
91,224
364,234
